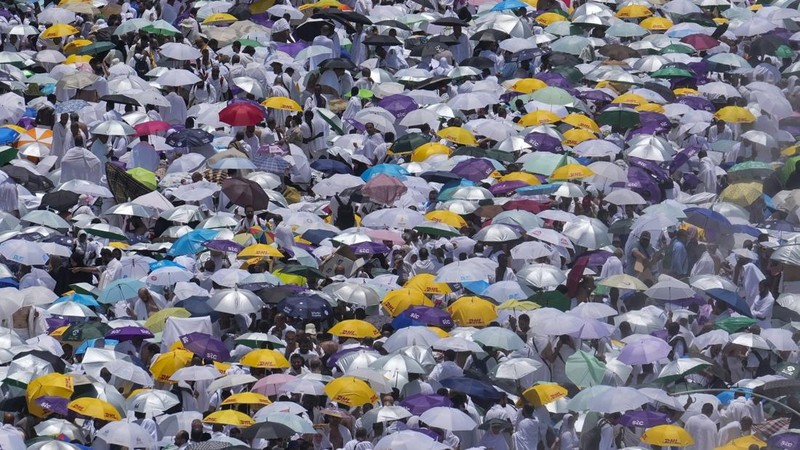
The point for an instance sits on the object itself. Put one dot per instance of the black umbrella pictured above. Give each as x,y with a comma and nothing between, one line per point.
618,52
382,40
241,11
14,404
59,200
394,24
303,271
191,137
31,181
425,3
209,445
273,295
104,34
337,63
120,98
563,59
766,45
490,35
57,363
310,29
478,62
778,388
267,430
244,192
346,17
428,49
123,185
330,14
433,83
450,22
661,90
698,18
447,39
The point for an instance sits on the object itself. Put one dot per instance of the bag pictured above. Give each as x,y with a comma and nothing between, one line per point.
764,366
141,67
345,215
590,439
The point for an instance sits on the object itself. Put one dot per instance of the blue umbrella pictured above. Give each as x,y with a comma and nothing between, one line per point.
234,163
164,263
732,299
7,135
712,222
331,166
71,106
189,138
123,289
198,307
83,299
389,169
542,189
191,242
509,4
91,343
471,387
306,307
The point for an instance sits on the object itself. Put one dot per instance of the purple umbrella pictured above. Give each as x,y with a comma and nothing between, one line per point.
425,315
420,403
784,441
660,174
342,353
695,102
54,323
369,248
356,124
641,182
554,79
644,351
596,257
644,419
292,49
205,346
399,105
505,187
53,404
648,128
595,96
682,157
474,169
223,245
650,117
129,333
544,142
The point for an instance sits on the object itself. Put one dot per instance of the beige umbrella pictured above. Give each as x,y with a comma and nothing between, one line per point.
624,281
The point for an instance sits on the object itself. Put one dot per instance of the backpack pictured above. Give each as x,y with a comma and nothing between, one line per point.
764,366
345,215
141,67
590,439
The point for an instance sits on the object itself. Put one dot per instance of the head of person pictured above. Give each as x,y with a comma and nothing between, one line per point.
370,127
673,328
763,287
682,235
249,212
297,362
644,239
144,295
707,409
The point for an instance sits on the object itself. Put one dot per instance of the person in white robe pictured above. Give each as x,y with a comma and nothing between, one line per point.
81,164
527,429
707,174
463,49
324,41
613,265
702,429
762,307
144,155
175,113
749,279
705,265
60,135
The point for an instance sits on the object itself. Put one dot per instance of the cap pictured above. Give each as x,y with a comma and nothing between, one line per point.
311,329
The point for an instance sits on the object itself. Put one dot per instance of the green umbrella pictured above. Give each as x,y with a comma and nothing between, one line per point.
788,370
82,331
752,169
331,119
622,226
362,93
545,163
161,28
437,229
144,176
671,72
620,117
409,142
96,48
572,45
485,153
551,299
553,96
106,231
7,154
250,43
570,73
563,28
677,48
584,369
784,51
788,168
734,324
131,26
84,288
303,271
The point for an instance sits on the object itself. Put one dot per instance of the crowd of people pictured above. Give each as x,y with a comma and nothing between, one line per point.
372,224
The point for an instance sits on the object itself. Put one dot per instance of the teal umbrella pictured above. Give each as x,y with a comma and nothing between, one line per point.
131,26
96,48
120,290
672,72
161,28
677,48
545,163
553,96
409,142
750,169
573,45
626,29
620,117
584,369
784,51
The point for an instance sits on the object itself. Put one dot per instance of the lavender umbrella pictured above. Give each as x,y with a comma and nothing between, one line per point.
554,79
475,169
649,117
644,419
129,333
205,346
54,404
784,441
420,403
660,174
356,124
505,187
342,353
682,157
595,96
544,142
695,102
222,245
425,316
369,248
292,49
644,351
648,128
55,323
399,105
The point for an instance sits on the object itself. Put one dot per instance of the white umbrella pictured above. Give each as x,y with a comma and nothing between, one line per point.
312,51
305,387
126,370
152,401
541,276
409,440
37,295
168,276
457,344
750,340
22,252
780,339
235,301
126,434
617,399
670,289
624,196
354,294
70,309
56,427
180,52
587,232
473,269
229,277
706,282
113,128
408,336
515,369
450,419
229,381
400,218
46,218
170,424
177,77
195,373
496,233
497,337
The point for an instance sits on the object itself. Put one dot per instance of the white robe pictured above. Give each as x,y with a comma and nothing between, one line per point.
762,310
708,176
704,265
527,434
750,277
704,432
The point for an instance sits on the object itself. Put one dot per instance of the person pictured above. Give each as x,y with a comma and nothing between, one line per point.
249,221
702,429
527,429
608,439
762,307
707,173
640,258
567,436
447,368
679,266
145,305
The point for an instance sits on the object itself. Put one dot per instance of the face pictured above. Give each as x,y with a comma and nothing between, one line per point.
370,129
297,363
645,240
248,212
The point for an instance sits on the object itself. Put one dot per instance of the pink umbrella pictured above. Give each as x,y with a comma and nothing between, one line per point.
269,385
386,235
152,127
384,189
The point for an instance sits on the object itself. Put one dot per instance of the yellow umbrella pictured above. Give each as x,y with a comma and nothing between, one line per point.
667,436
634,12
282,103
425,151
16,128
219,18
75,45
742,194
354,328
790,151
265,359
720,20
439,332
539,117
656,24
59,31
735,114
528,85
400,300
260,6
58,332
247,398
350,391
446,217
426,283
260,251
581,121
458,135
94,408
518,305
549,18
52,384
168,363
571,172
525,177
155,323
472,312
288,278
630,99
686,91
74,59
321,4
575,136
119,245
755,7
743,443
230,417
651,107
544,393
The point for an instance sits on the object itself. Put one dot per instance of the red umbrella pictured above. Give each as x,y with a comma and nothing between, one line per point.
152,127
384,189
700,42
241,115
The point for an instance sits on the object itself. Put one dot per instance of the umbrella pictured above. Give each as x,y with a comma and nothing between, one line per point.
584,369
544,393
125,434
356,329
667,435
644,351
205,346
732,299
244,192
350,391
264,358
447,418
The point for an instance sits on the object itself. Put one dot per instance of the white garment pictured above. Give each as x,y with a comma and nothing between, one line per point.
704,432
762,310
750,277
704,266
527,434
176,112
612,266
444,370
145,156
707,175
